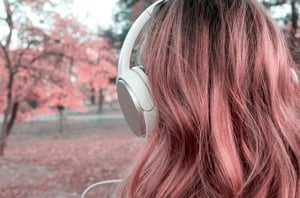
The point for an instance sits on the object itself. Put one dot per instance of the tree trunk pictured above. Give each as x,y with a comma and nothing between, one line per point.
61,121
61,117
101,100
294,18
93,98
8,122
3,138
3,141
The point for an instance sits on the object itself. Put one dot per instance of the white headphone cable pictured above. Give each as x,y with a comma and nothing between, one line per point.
98,184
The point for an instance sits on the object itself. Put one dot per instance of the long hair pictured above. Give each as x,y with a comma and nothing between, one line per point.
229,124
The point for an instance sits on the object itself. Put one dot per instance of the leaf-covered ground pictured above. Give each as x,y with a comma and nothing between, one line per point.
40,162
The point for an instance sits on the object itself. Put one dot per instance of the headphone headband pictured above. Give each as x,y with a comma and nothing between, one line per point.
126,51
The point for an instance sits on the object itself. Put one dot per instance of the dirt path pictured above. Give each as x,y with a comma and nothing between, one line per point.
42,163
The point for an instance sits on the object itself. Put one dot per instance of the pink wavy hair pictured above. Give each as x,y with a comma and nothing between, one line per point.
229,123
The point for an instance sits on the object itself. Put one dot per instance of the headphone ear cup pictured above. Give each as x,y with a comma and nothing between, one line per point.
136,101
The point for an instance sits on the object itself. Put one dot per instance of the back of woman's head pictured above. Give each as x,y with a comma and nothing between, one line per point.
228,104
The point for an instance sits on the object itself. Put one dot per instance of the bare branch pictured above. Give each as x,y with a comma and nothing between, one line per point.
20,57
46,54
6,56
268,4
9,21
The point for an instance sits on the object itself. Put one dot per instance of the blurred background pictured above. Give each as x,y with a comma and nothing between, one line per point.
61,125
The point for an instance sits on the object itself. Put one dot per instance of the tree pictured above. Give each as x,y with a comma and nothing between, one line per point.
94,75
38,53
125,12
286,12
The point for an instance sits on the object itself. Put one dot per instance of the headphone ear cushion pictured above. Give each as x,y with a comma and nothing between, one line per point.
136,101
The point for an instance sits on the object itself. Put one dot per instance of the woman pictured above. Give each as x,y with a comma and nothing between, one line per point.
227,102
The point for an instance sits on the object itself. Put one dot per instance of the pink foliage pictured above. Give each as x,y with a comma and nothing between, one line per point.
46,59
96,73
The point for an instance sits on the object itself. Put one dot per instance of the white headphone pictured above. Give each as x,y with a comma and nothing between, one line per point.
133,88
